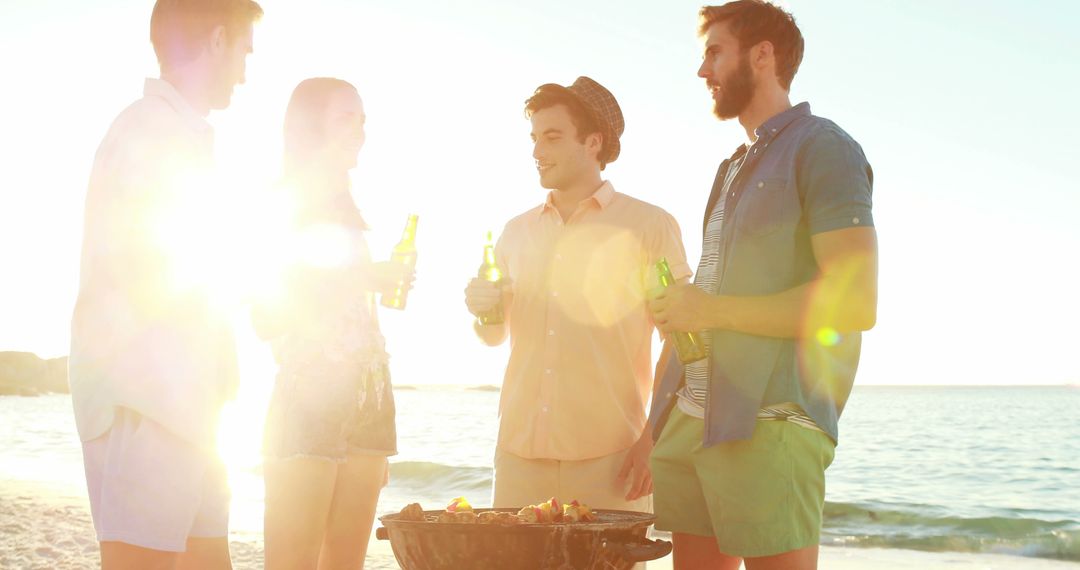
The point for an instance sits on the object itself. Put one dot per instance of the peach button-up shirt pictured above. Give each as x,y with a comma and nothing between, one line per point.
580,369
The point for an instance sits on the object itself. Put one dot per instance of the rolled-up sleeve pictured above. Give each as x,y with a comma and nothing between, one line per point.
664,241
835,181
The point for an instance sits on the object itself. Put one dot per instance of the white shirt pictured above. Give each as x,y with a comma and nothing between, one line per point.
138,339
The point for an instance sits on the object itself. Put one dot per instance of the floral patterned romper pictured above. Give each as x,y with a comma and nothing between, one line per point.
332,397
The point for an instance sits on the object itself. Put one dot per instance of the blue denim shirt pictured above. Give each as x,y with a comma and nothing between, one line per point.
802,176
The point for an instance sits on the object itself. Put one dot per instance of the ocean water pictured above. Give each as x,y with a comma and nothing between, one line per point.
969,469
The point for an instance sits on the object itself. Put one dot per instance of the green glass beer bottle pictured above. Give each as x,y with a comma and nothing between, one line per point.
688,345
405,254
489,271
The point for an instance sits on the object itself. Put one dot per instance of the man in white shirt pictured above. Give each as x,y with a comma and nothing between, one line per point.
151,361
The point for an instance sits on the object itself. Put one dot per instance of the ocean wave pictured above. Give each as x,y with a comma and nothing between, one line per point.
426,479
848,524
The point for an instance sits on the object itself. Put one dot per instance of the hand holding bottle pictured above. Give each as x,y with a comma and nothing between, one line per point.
489,271
481,295
404,255
681,307
688,344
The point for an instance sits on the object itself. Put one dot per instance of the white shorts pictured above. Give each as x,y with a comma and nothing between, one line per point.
151,488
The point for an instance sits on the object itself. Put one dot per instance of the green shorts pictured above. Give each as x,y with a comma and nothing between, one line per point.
758,497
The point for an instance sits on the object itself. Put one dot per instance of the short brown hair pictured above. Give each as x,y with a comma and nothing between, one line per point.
756,21
177,26
584,121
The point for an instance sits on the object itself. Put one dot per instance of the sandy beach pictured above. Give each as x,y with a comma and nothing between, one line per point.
43,527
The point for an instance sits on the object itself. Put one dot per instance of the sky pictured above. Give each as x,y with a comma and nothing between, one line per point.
966,110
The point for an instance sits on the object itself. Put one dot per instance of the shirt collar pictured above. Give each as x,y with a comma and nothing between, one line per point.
774,125
153,87
602,197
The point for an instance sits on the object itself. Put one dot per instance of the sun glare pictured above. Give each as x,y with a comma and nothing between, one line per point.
239,261
233,259
323,245
592,300
240,432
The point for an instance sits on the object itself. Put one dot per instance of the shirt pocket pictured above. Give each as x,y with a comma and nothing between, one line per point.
765,208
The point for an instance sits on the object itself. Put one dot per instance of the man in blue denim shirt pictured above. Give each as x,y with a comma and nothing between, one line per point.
786,283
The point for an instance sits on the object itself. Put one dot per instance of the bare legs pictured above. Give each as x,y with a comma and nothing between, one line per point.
319,513
205,553
202,553
352,512
694,552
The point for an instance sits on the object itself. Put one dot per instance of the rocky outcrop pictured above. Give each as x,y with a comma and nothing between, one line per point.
26,374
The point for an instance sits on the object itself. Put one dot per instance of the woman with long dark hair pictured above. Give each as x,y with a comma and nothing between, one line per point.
330,425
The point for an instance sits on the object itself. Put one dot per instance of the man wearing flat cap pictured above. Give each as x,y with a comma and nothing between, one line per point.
576,269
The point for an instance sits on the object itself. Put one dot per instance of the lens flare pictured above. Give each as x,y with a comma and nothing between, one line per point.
827,336
597,275
826,357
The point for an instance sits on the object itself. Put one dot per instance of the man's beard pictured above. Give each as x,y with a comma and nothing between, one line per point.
736,91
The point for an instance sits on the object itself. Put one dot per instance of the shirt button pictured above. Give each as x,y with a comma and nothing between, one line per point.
669,394
554,293
761,184
854,220
551,333
547,371
545,408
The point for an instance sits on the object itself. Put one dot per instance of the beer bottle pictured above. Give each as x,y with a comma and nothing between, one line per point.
489,271
688,345
405,254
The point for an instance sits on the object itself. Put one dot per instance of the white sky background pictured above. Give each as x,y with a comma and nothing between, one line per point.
967,111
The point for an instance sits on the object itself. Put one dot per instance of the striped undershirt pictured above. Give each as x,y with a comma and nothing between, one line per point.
693,394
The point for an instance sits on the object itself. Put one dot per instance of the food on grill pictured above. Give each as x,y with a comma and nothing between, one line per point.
498,517
576,512
413,512
460,511
551,512
546,512
457,517
459,504
530,514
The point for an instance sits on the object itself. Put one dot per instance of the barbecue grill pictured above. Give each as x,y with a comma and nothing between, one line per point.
614,541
